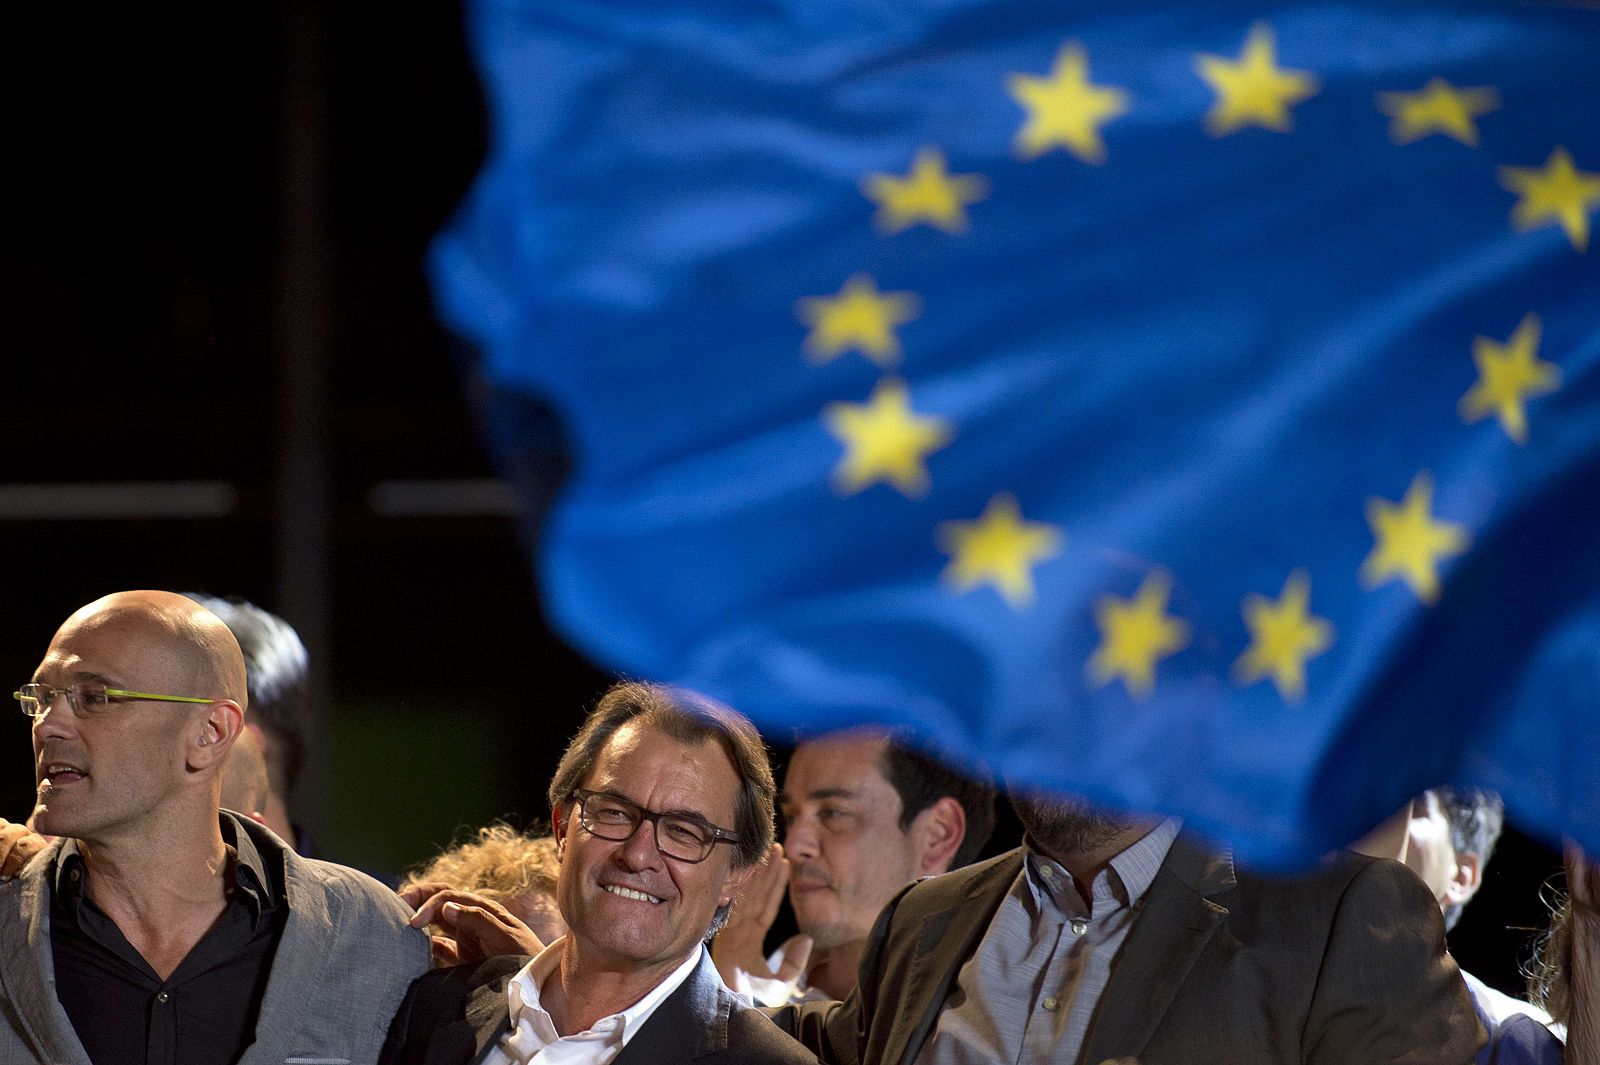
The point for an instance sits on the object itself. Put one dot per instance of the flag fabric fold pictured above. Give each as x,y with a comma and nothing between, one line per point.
1192,407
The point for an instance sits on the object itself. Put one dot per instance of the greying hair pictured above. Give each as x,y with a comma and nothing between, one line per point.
276,670
1476,817
688,718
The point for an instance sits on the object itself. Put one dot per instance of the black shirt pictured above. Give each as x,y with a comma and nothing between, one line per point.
205,1012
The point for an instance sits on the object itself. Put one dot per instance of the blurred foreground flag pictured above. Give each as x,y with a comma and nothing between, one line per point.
1191,405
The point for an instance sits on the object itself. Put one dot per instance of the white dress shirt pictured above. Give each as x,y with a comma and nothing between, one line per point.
769,990
533,1037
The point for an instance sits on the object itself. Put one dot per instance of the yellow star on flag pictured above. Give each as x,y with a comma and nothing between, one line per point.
929,193
1064,109
858,317
1437,107
1408,543
1283,634
1253,90
884,441
999,548
1135,634
1508,375
1559,193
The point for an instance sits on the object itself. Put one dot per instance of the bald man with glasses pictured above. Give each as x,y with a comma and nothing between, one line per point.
158,929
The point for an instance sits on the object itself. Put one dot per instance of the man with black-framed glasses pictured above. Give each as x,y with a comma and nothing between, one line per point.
662,808
158,929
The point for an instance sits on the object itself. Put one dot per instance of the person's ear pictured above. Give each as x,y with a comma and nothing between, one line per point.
213,734
735,881
936,834
558,828
1466,880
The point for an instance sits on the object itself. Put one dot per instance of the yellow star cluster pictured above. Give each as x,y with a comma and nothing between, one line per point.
889,439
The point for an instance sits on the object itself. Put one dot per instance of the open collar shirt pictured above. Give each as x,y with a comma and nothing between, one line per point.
533,1039
1029,991
205,1012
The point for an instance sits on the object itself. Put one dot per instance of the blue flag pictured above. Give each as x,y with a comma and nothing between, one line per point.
1191,406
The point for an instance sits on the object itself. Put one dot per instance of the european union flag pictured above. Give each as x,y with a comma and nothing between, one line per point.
1191,405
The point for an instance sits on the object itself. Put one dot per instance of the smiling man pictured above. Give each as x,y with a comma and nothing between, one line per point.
662,808
159,929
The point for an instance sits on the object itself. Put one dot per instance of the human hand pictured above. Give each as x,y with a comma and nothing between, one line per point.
740,944
473,928
18,843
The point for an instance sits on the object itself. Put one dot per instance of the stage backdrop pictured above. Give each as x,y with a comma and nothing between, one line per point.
1191,405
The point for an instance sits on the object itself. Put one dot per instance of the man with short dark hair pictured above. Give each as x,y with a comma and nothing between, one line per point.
864,814
157,928
662,807
1106,937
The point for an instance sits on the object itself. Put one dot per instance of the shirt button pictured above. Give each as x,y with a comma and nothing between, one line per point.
161,996
73,876
1048,873
1079,926
1050,1003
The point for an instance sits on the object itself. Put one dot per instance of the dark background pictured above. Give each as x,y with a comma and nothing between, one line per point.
218,215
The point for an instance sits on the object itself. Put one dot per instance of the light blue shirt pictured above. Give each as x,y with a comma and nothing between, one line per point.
1029,991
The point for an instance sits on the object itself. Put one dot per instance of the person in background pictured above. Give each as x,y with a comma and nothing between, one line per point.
515,869
276,670
1111,937
244,776
864,813
1451,835
1565,975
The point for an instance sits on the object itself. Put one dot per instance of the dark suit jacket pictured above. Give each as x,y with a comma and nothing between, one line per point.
1346,964
453,1016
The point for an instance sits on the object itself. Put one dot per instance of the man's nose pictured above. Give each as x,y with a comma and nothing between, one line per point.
57,720
800,839
639,851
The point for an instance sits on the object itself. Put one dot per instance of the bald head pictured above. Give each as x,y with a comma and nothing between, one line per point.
175,641
148,764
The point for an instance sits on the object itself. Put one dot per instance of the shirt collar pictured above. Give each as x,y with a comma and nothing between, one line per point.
250,876
250,879
531,1026
1123,882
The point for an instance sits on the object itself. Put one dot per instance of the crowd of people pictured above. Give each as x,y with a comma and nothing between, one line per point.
159,907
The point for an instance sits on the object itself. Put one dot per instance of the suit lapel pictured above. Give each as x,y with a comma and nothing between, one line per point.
488,1017
948,937
689,1023
1179,917
31,982
298,965
482,1015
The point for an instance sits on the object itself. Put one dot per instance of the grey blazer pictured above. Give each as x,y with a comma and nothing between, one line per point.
342,966
1344,964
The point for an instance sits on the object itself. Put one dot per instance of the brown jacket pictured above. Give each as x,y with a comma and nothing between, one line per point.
1344,964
